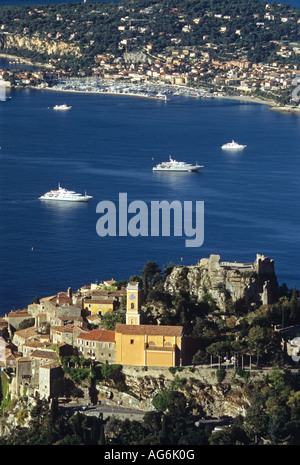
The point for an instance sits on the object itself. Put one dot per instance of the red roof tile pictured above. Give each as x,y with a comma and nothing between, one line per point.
98,335
158,330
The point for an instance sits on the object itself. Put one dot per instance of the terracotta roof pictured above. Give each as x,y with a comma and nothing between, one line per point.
27,332
99,300
61,298
43,354
45,299
70,328
158,330
24,359
98,335
19,313
35,344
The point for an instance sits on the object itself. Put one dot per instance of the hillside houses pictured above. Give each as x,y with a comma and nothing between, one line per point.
98,344
56,326
60,325
198,47
189,66
33,354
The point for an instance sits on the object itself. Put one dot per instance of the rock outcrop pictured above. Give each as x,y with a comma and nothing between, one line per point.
205,395
225,281
41,45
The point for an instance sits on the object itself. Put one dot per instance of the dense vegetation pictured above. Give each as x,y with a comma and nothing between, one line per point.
95,27
272,418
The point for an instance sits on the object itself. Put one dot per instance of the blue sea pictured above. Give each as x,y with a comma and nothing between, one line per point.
108,145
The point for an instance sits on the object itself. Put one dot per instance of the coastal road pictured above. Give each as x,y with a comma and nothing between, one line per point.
104,409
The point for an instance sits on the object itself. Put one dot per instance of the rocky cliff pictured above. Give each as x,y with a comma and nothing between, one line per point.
206,396
39,44
227,281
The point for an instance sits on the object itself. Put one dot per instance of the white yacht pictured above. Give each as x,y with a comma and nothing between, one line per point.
233,146
178,166
65,195
62,107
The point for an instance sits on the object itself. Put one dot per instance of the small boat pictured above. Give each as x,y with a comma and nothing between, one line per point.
160,96
62,194
177,166
62,107
233,146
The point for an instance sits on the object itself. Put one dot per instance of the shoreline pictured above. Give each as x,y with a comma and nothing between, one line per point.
248,99
127,94
287,109
241,98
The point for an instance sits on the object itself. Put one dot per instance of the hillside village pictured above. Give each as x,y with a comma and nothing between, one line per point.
36,339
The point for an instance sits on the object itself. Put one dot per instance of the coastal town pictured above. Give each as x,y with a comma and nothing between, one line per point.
178,355
140,67
110,326
270,83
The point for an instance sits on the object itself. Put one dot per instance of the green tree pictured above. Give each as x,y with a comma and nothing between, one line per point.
228,436
102,436
294,305
150,273
28,323
152,421
256,419
171,401
257,341
219,349
294,404
111,319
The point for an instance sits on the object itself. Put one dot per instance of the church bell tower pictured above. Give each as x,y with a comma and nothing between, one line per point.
133,311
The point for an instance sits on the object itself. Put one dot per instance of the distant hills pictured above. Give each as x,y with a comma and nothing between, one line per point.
246,28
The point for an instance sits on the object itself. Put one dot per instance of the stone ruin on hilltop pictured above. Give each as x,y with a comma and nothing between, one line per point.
226,281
